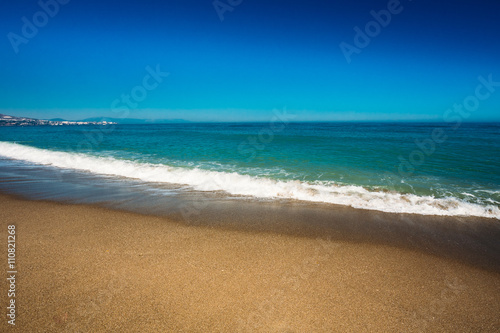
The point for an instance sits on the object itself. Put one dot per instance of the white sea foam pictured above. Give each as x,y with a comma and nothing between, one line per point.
260,187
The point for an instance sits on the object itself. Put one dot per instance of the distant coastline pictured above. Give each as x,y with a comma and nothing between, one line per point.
6,120
9,120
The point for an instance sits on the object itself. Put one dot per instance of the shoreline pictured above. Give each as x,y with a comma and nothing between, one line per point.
86,268
466,239
85,173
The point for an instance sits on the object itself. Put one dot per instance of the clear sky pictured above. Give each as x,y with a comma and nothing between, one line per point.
264,55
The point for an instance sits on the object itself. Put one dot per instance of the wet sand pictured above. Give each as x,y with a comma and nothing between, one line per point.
85,268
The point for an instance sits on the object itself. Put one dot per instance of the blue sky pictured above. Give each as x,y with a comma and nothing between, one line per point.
263,55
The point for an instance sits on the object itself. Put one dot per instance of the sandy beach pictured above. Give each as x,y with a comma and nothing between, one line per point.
90,269
250,166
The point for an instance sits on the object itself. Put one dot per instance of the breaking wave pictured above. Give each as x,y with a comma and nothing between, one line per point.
259,187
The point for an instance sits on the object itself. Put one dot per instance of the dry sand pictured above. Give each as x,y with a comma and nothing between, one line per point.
90,269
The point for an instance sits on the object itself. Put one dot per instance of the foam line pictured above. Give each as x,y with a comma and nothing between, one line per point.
259,187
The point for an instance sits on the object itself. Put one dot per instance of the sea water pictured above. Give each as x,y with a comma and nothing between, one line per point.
418,168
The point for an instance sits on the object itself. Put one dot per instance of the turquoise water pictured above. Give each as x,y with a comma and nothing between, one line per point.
385,166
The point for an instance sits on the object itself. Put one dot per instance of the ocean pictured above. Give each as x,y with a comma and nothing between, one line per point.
416,168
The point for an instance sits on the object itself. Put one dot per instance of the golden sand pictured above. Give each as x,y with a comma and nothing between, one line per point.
90,269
